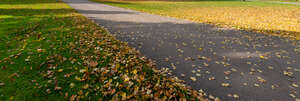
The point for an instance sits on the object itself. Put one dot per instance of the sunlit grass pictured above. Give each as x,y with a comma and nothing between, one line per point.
269,18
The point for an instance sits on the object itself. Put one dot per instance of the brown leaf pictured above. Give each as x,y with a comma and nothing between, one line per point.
93,63
73,97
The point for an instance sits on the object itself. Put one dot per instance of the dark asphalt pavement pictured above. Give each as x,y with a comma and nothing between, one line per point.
223,62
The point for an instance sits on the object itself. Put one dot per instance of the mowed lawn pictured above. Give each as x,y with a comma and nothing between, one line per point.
50,52
282,0
269,18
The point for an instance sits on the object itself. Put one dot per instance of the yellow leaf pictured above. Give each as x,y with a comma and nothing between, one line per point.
117,65
77,78
193,78
60,70
11,98
200,49
126,78
134,71
123,96
72,85
82,70
86,86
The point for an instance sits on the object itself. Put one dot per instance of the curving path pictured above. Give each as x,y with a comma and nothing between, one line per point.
231,64
292,3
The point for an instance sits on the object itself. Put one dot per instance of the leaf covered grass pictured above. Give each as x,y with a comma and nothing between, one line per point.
269,18
50,52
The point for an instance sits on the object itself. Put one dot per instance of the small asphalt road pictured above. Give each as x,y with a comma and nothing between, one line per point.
222,62
292,3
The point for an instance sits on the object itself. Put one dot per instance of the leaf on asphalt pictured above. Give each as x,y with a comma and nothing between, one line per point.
193,78
211,78
295,85
225,84
260,79
236,96
173,66
256,85
262,57
287,73
292,95
227,72
270,67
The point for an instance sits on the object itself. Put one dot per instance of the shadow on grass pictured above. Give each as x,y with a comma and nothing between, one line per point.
13,2
31,12
51,28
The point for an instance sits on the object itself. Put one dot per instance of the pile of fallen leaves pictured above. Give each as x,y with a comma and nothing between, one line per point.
84,62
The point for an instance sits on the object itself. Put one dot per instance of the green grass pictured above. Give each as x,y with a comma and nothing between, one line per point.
50,52
281,0
269,18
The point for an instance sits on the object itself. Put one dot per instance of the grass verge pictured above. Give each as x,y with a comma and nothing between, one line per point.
282,0
50,52
269,18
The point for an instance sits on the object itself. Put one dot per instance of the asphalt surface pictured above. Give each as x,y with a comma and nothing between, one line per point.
292,3
254,66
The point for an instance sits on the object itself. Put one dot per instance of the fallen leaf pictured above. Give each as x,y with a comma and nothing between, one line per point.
86,86
60,70
93,63
193,78
39,50
295,85
260,79
217,99
72,85
134,71
123,96
57,88
227,72
256,85
200,49
211,78
236,96
225,84
211,97
173,66
289,74
292,95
